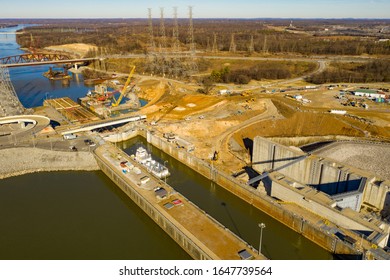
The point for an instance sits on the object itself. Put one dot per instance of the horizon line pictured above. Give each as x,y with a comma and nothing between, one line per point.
237,18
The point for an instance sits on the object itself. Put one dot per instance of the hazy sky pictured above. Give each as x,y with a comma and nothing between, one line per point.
202,8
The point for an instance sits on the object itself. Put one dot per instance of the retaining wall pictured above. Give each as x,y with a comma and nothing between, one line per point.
252,196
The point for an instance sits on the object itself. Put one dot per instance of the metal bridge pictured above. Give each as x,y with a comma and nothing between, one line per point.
31,59
9,101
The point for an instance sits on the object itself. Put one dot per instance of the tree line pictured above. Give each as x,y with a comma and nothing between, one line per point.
268,70
132,35
371,72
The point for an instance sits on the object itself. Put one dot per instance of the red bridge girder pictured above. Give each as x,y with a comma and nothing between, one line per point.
33,57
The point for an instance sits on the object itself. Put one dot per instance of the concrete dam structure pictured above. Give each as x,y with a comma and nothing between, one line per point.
334,191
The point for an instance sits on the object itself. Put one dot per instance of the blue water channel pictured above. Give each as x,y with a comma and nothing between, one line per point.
83,215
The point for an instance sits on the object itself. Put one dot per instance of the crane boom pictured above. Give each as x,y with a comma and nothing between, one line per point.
117,102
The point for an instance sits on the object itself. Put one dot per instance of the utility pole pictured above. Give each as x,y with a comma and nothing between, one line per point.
261,226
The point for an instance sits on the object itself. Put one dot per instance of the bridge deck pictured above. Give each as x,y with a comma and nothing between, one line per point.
6,63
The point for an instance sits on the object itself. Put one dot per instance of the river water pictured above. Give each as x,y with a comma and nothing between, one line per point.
83,215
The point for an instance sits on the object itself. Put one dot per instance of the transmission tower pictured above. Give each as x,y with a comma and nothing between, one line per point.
175,65
191,65
154,58
9,103
151,36
215,44
191,39
233,46
176,41
163,40
208,48
162,62
265,48
251,47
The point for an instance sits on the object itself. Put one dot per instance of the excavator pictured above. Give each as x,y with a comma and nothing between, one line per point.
117,102
215,156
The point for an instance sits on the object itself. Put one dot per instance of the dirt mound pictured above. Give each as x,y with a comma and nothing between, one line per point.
78,49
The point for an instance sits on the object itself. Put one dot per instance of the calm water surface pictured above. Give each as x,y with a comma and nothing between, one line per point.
76,215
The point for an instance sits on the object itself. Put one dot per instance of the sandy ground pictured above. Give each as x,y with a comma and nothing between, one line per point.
219,122
78,49
18,161
205,121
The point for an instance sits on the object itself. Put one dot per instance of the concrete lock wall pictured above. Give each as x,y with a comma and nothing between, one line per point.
377,195
253,197
324,174
173,231
268,155
330,214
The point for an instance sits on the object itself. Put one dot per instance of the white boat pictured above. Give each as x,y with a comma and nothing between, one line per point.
142,155
157,169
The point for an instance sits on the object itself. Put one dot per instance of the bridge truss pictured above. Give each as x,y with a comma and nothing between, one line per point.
9,102
33,57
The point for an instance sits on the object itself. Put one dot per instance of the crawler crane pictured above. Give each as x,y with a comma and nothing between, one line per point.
117,102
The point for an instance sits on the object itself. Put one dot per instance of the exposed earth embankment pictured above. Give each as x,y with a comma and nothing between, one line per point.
18,161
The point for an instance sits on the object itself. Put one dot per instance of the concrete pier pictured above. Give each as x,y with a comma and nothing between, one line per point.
197,233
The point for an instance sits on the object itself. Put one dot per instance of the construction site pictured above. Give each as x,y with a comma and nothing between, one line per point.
297,146
103,102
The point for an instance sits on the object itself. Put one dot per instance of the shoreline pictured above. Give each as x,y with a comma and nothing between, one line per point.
21,161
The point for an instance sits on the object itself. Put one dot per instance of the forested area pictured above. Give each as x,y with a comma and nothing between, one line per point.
267,36
266,70
375,71
234,37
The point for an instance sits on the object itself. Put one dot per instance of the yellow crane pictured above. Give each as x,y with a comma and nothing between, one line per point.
117,102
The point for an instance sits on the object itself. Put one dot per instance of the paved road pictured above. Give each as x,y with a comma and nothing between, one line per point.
40,123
